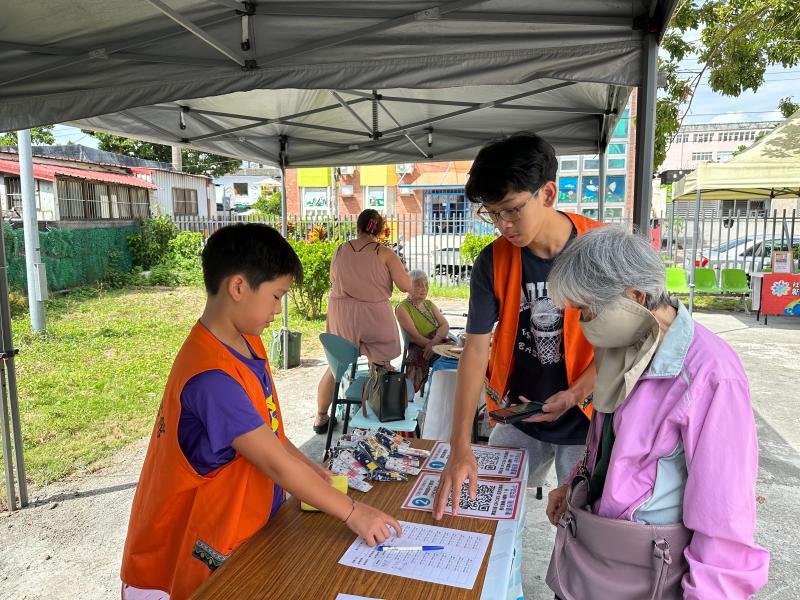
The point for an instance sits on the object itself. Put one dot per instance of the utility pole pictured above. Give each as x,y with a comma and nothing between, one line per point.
37,279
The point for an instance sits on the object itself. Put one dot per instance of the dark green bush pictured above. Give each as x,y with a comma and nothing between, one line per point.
151,244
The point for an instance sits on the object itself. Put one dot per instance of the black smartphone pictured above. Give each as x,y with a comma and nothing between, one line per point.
515,413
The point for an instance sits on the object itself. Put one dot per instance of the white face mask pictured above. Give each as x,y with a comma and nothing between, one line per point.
625,336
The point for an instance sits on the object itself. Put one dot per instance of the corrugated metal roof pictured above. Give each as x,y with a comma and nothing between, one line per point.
48,173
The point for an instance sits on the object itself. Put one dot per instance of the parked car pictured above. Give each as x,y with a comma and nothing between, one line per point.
739,253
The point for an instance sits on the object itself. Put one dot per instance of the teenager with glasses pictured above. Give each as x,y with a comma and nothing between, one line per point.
538,352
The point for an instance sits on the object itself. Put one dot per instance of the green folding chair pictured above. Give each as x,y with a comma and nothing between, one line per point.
676,280
734,281
342,356
705,281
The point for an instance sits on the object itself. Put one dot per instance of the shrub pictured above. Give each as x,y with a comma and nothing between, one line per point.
473,244
269,204
150,245
181,264
308,297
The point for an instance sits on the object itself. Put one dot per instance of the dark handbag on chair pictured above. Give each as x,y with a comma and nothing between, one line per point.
385,392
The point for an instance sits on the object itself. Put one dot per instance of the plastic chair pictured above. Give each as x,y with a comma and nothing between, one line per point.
734,281
676,280
705,281
407,425
342,356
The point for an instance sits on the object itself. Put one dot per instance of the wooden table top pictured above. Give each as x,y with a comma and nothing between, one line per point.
297,555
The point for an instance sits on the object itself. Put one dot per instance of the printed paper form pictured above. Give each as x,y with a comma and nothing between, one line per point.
457,565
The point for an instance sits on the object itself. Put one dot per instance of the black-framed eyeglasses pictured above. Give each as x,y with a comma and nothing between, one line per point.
509,215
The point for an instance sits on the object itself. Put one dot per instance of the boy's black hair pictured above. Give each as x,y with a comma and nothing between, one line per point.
255,250
522,162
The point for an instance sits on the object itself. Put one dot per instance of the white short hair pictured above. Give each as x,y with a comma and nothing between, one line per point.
416,275
599,266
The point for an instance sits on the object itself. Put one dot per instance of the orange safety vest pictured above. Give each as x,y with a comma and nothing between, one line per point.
578,352
184,525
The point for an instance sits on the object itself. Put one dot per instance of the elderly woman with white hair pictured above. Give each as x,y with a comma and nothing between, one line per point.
663,503
425,327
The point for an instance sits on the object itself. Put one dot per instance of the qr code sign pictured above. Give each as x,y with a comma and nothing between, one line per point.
482,502
487,461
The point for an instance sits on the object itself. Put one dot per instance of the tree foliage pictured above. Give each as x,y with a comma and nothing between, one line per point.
787,107
39,135
269,204
195,162
736,41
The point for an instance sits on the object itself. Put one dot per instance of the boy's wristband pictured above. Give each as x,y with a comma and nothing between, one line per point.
352,510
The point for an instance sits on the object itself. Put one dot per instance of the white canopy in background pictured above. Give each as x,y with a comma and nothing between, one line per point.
770,168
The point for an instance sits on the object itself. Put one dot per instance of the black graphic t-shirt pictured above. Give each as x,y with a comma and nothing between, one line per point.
539,367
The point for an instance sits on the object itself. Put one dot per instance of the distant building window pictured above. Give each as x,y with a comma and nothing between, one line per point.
613,213
703,137
615,188
184,201
569,164
616,163
621,130
617,148
724,156
240,189
701,156
682,138
567,189
315,201
591,164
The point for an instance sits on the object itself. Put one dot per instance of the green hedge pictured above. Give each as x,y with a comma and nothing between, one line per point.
72,257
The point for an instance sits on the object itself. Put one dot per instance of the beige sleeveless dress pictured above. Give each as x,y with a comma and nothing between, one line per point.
358,306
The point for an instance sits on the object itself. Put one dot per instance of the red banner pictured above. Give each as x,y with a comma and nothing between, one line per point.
780,294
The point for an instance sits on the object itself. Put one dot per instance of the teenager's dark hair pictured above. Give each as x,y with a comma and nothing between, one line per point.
255,250
370,221
522,162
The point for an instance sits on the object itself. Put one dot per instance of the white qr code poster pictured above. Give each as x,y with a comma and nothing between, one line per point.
495,499
493,461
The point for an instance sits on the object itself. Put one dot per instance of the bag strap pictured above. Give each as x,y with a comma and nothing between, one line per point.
662,559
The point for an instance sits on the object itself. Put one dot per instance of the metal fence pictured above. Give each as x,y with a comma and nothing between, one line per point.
433,243
738,239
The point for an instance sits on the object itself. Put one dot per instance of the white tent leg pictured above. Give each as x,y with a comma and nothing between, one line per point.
693,259
285,233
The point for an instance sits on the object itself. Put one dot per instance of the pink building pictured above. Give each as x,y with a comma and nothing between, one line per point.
711,142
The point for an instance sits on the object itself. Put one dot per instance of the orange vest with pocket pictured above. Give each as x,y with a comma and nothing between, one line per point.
184,525
578,352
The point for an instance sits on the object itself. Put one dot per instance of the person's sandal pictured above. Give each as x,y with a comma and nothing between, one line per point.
323,426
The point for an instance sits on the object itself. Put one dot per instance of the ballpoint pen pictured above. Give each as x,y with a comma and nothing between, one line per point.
382,548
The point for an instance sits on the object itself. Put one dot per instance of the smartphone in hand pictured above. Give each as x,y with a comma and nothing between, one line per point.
518,412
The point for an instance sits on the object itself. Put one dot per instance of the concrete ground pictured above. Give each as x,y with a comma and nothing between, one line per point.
69,544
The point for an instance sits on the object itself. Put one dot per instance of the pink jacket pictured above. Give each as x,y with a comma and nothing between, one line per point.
686,448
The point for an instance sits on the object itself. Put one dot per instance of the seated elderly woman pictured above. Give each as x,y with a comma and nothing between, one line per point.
425,327
663,503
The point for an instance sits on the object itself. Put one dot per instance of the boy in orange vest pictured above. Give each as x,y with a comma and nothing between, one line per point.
218,460
537,352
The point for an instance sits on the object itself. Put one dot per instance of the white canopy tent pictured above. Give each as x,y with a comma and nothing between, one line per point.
335,82
770,168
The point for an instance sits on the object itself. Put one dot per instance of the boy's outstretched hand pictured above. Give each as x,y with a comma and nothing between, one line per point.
372,524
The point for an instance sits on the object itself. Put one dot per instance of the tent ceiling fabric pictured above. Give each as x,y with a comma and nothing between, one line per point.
72,60
338,137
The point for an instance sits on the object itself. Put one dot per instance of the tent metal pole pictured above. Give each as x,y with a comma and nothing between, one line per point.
33,261
285,234
8,375
601,192
645,134
199,32
693,259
